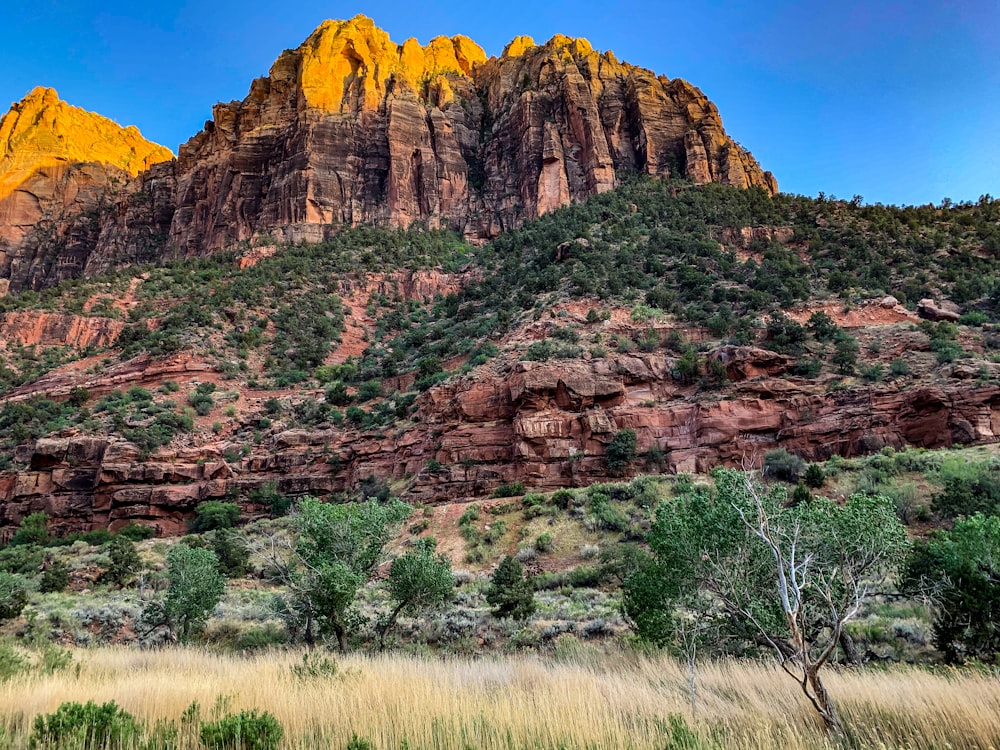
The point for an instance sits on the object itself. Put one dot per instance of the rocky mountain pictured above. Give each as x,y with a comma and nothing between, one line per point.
60,167
352,128
700,320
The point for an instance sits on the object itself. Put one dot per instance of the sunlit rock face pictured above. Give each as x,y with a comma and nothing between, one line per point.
349,128
59,166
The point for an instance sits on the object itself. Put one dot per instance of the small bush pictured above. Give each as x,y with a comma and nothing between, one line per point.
544,542
54,578
214,514
85,726
815,477
621,452
513,489
247,730
13,595
780,464
899,367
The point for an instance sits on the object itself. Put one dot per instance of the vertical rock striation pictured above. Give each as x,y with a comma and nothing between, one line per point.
352,128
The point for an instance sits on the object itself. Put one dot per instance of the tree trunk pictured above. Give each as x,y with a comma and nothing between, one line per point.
821,700
341,633
387,626
849,649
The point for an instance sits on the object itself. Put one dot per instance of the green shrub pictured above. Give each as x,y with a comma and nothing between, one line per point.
513,489
510,592
215,514
85,727
621,452
544,542
32,530
814,477
783,465
13,595
247,730
899,367
55,577
124,561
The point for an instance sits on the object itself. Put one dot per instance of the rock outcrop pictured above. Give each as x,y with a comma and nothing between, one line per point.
351,128
59,167
546,424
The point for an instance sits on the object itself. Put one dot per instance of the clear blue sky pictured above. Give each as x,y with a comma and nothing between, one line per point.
896,101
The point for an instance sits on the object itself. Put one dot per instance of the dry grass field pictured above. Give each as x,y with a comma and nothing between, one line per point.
520,703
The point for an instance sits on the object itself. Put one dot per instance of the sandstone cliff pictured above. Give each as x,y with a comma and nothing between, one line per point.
352,128
59,165
546,424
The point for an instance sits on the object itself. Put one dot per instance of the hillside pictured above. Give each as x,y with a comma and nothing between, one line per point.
716,323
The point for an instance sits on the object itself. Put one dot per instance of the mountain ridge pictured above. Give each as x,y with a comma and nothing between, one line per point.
351,128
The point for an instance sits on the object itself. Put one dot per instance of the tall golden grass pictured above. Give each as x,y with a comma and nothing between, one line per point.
515,702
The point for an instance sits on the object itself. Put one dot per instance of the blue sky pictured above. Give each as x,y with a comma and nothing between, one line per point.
896,101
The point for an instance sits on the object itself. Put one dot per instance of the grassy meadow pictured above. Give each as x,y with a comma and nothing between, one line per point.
622,700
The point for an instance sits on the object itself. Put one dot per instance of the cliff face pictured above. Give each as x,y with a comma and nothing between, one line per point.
59,166
546,424
353,128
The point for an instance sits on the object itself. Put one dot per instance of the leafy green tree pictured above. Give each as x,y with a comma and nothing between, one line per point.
845,352
195,588
510,592
960,572
822,326
418,580
13,595
336,552
54,577
215,514
33,530
787,578
124,561
621,452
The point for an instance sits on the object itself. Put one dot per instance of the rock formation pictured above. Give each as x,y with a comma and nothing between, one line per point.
351,127
59,166
544,423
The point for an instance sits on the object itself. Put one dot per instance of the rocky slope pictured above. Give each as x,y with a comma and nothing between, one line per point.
546,424
353,128
59,167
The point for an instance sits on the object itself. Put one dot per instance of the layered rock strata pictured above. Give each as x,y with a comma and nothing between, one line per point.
352,128
546,424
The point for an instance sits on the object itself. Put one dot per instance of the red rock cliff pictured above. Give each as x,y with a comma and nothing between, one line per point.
351,127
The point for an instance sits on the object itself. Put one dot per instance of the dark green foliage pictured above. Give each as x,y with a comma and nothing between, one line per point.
137,532
13,595
418,580
194,589
230,547
21,421
33,529
511,593
969,488
86,726
784,335
214,514
960,571
247,730
845,352
201,398
801,494
783,465
513,489
125,561
821,326
78,396
814,477
621,452
54,577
